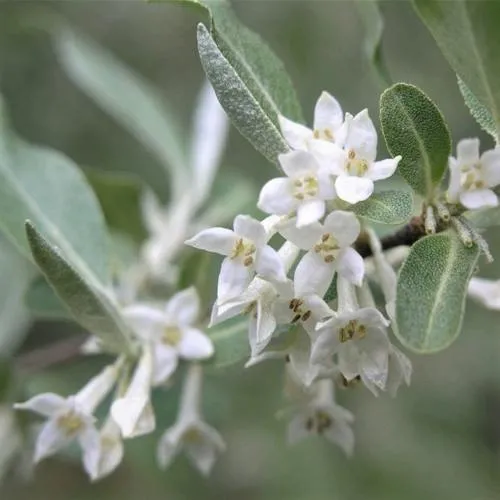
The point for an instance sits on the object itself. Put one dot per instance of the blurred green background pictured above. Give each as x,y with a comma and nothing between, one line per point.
439,439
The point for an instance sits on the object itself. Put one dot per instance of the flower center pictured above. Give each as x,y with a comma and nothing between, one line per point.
305,187
325,133
319,422
108,443
353,329
327,247
300,312
472,179
355,166
245,250
71,423
192,435
171,336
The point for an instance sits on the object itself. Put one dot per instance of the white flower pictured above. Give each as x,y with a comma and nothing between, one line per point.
110,450
319,414
400,370
72,418
472,176
169,329
133,412
246,252
190,433
328,125
329,250
305,189
358,170
486,292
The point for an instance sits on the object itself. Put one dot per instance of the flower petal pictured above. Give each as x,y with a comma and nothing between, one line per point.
486,292
327,113
250,228
50,440
351,266
353,189
329,156
168,447
295,134
46,404
309,212
90,443
304,237
478,198
342,435
165,363
298,163
234,277
313,275
454,186
269,264
276,197
344,226
490,162
383,169
183,307
371,317
261,328
202,452
215,239
146,321
468,152
195,344
134,416
362,137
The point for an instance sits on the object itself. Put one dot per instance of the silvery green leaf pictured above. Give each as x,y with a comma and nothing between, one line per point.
230,340
386,207
431,292
414,128
485,218
480,113
467,33
89,303
126,96
43,303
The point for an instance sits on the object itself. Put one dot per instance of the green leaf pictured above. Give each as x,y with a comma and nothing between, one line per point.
120,197
485,218
431,292
373,24
238,100
46,187
467,33
414,128
43,303
386,207
230,340
480,113
16,275
331,293
133,102
88,302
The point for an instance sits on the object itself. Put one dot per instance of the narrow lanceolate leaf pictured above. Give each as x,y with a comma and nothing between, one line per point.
467,33
46,187
480,113
43,303
133,102
414,128
87,301
373,24
386,207
230,342
238,99
431,292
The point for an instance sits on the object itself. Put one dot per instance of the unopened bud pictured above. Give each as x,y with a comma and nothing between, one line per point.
430,220
443,212
463,231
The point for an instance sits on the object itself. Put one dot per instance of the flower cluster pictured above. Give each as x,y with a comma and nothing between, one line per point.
287,294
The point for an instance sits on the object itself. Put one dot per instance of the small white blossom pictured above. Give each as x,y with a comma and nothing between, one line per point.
358,169
400,370
328,126
170,331
329,250
319,414
71,418
201,443
472,176
486,292
110,450
246,252
134,412
304,191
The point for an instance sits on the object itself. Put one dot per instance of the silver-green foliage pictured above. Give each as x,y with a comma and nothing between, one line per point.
431,292
386,207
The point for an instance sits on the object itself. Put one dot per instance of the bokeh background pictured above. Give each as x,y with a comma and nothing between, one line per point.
439,439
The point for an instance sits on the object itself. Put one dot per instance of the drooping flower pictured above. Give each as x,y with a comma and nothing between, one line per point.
318,414
201,443
472,176
328,125
133,412
358,170
170,331
329,251
246,252
72,418
304,191
486,292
